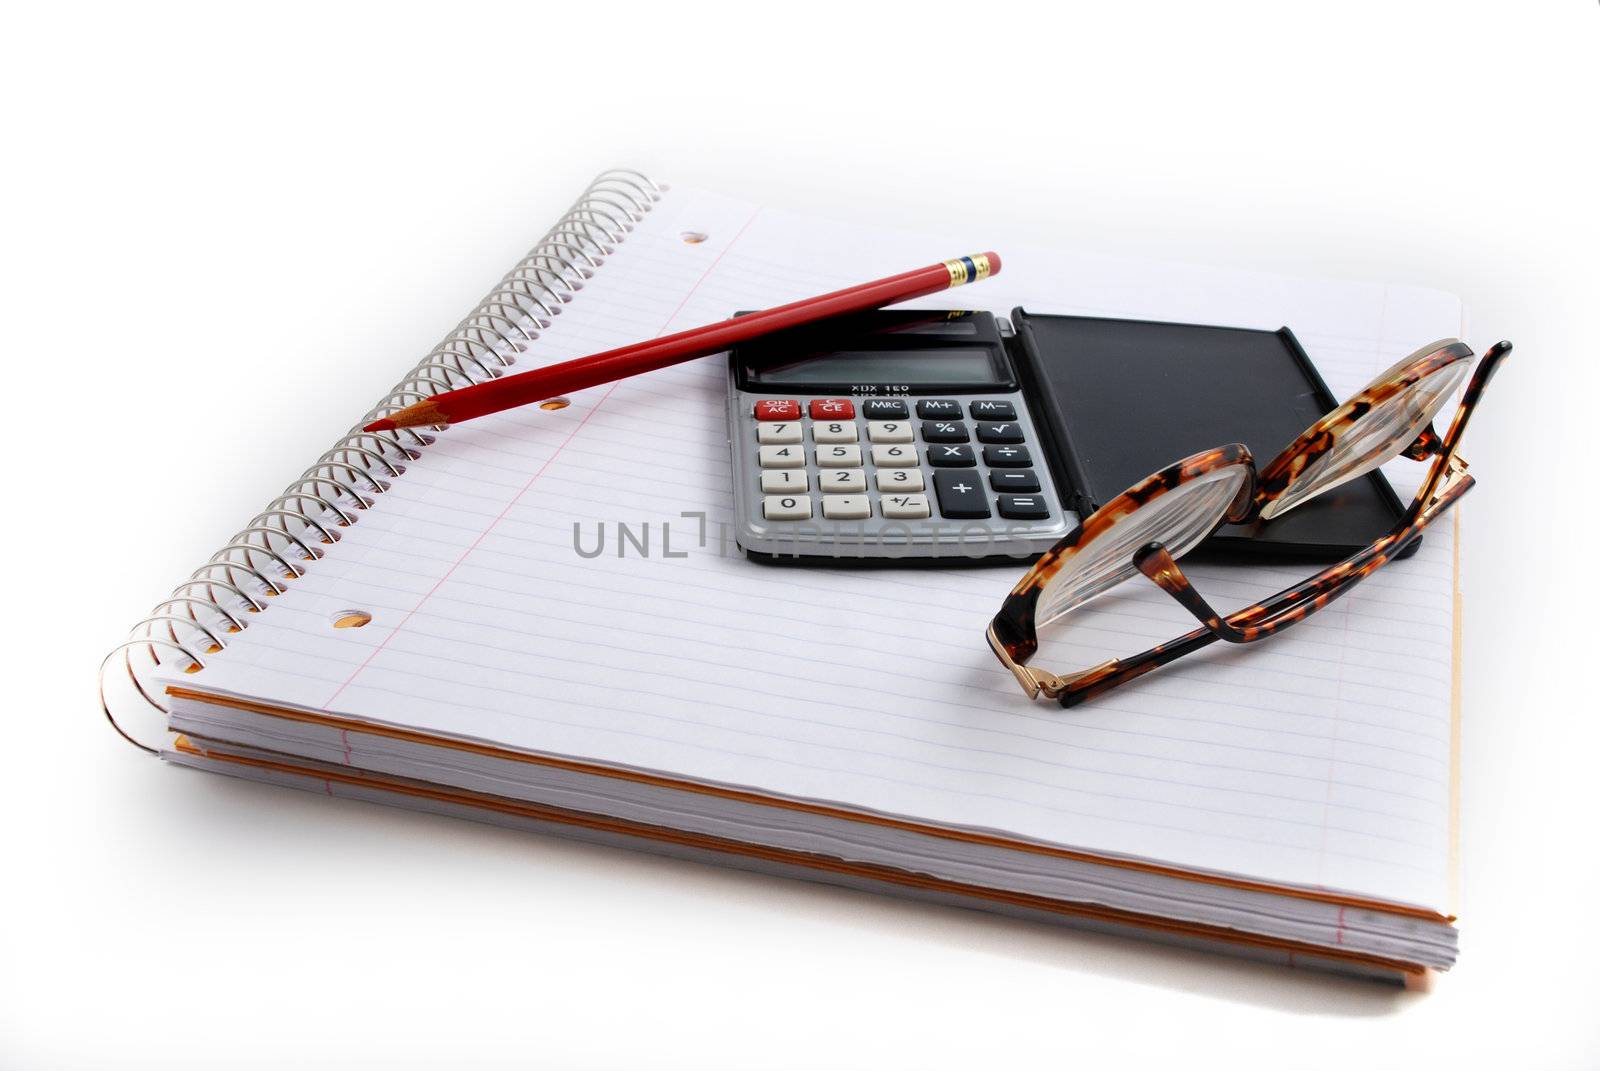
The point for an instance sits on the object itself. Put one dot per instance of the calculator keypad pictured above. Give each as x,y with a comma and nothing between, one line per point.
906,507
943,456
894,455
839,457
1014,481
986,409
885,409
1007,457
944,431
784,481
999,432
877,457
1024,507
961,495
777,434
842,481
778,409
897,481
786,507
846,507
834,431
833,409
783,457
889,431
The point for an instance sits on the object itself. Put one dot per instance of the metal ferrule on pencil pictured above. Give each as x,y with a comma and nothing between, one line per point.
965,270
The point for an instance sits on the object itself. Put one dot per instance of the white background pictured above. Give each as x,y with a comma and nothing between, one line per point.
227,230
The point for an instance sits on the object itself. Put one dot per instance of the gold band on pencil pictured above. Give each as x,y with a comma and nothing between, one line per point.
965,270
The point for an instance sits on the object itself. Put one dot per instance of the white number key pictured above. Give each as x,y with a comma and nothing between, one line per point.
837,457
777,434
834,432
846,507
904,507
843,481
786,508
899,481
785,482
894,457
783,457
888,431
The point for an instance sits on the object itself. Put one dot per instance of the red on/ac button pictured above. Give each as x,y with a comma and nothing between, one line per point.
833,409
777,409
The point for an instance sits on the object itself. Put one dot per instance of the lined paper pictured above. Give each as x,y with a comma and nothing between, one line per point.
1319,758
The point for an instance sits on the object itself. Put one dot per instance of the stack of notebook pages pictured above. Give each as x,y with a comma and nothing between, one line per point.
1293,802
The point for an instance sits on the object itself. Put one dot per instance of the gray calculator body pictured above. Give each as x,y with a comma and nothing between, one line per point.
893,436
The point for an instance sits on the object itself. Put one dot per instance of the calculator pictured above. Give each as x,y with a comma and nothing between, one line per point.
889,436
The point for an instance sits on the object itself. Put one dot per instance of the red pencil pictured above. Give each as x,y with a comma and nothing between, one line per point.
541,384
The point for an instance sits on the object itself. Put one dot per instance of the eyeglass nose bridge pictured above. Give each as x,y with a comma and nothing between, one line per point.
1242,509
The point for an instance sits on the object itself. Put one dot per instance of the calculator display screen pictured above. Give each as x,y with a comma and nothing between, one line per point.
905,351
951,366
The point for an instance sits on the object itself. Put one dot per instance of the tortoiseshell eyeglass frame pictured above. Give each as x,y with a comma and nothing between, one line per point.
1012,633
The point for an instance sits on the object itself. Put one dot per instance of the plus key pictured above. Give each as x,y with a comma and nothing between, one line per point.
961,496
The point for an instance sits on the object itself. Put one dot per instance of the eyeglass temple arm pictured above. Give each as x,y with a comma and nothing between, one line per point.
1445,449
1279,611
1292,604
1283,609
1154,558
1275,613
1104,678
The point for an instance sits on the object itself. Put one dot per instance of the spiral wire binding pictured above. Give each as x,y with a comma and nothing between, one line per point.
273,549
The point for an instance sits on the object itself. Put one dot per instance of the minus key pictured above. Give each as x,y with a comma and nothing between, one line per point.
1014,481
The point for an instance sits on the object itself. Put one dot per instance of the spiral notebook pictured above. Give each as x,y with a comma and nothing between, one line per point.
413,622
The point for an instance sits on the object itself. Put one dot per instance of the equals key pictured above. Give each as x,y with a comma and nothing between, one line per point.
1024,508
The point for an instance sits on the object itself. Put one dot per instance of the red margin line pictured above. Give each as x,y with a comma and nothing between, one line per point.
534,478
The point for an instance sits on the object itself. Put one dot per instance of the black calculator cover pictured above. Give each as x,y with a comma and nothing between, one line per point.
1121,399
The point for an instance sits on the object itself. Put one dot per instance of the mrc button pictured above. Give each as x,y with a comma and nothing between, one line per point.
884,409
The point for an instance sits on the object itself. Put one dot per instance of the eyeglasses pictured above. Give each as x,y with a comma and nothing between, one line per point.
1161,518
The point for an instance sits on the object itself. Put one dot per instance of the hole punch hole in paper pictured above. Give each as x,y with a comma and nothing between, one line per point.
351,619
553,404
694,237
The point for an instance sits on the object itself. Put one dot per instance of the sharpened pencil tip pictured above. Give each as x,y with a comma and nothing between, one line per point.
381,425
